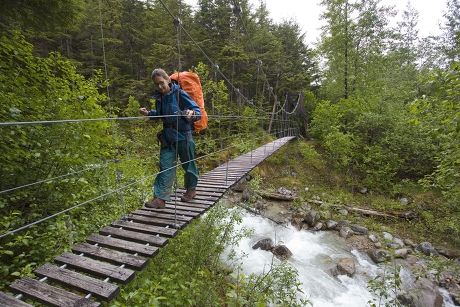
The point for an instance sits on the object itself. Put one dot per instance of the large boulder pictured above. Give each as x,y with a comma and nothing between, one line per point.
402,253
318,226
331,224
297,222
342,223
282,252
345,232
427,249
346,266
378,255
264,244
246,195
373,238
387,236
424,294
312,217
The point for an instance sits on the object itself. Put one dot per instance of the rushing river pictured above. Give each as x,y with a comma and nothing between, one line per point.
314,254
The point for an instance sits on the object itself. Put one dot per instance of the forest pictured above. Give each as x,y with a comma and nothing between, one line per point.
380,102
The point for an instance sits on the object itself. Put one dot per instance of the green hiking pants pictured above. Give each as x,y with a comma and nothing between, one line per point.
165,179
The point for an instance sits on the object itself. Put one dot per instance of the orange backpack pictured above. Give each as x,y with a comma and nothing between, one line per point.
190,82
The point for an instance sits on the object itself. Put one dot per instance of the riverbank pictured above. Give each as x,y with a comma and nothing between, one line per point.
389,231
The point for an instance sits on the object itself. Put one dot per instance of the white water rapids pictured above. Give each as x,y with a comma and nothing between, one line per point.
314,254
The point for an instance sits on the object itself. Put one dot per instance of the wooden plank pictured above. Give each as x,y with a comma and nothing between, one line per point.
211,189
200,195
96,267
192,203
79,281
166,222
169,232
169,216
203,201
123,244
152,221
216,194
185,207
179,212
50,295
214,185
11,301
134,235
98,252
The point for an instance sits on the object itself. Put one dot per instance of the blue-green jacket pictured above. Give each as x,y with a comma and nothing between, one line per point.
175,128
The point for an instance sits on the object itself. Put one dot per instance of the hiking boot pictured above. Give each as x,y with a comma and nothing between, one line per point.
156,203
188,195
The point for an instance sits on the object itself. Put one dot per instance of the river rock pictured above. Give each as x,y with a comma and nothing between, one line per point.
343,212
404,201
312,217
402,253
265,244
373,238
449,253
331,224
410,243
387,236
346,266
378,255
297,222
282,252
398,242
393,245
342,223
378,244
360,230
345,232
284,191
246,195
424,294
427,249
318,226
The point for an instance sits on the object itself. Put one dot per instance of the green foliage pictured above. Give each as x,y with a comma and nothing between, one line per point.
34,88
386,287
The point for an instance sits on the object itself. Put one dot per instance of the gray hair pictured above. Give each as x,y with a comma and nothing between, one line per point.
158,72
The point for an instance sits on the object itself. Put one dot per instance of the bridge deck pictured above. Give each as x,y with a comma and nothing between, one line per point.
96,267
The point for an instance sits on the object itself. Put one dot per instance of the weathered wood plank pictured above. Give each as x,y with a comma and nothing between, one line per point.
79,281
134,235
10,301
185,207
169,232
169,216
133,261
218,186
216,194
123,244
193,203
50,295
211,189
200,196
96,267
179,212
154,221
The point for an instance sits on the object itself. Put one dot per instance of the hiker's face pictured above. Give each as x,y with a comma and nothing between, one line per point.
162,84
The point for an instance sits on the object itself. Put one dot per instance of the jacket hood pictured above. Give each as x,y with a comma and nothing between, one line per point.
174,87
